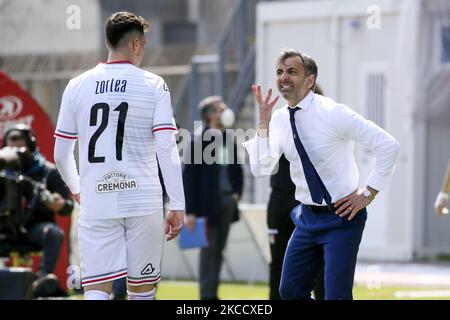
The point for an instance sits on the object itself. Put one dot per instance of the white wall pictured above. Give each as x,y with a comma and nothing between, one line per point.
40,27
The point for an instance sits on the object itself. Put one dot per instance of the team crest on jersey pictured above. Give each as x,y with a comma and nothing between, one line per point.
148,270
115,182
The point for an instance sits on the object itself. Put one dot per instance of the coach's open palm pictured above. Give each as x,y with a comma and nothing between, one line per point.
173,224
265,107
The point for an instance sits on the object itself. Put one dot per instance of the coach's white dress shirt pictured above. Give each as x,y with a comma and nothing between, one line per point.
327,130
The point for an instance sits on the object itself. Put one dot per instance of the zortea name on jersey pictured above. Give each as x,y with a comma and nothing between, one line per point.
110,86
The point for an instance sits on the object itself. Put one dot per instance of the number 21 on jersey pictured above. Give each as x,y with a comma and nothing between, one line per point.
104,107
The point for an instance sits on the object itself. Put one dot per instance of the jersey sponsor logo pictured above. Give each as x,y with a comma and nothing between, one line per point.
148,270
116,182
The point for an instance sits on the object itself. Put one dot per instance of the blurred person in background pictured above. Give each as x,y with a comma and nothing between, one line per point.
213,191
40,227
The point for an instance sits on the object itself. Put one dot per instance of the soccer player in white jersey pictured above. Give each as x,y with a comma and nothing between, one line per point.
123,120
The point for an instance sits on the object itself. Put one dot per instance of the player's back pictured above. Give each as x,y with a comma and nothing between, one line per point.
114,108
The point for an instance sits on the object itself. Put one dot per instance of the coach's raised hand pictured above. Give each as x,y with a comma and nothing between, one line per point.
265,107
173,224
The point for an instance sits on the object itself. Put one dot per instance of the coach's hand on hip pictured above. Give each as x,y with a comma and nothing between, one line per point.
353,203
77,198
441,204
265,109
173,224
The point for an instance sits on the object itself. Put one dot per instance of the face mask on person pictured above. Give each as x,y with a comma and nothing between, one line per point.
227,118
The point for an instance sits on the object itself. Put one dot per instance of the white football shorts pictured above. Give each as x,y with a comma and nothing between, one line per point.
125,247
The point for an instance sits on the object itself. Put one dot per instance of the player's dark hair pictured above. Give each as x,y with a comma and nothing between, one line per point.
318,89
120,24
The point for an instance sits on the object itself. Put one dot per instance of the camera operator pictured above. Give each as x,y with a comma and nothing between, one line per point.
41,228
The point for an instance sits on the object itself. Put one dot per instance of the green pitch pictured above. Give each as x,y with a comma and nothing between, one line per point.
188,290
180,290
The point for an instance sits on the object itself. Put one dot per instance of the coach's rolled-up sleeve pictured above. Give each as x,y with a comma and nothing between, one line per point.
264,152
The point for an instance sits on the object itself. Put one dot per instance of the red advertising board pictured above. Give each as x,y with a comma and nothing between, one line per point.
17,106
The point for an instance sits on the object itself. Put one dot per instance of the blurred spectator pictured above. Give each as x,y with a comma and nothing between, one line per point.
213,191
40,228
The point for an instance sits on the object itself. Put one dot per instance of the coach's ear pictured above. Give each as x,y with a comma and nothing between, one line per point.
310,81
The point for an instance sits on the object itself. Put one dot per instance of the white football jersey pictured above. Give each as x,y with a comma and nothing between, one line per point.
114,110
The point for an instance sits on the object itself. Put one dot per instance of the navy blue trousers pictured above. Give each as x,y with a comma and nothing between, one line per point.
318,238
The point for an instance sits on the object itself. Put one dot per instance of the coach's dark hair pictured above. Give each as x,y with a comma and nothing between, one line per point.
120,24
309,64
207,104
318,89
